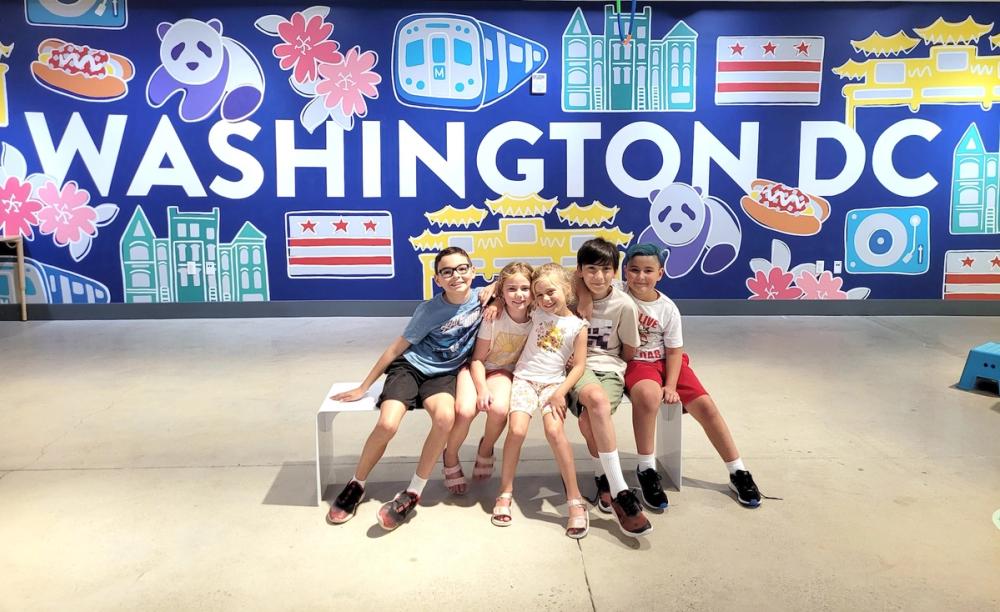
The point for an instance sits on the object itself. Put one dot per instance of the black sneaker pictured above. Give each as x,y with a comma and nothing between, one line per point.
603,494
628,513
346,505
746,491
393,513
652,493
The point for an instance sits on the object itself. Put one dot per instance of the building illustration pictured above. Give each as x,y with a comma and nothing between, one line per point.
975,184
521,234
190,264
600,73
953,73
45,284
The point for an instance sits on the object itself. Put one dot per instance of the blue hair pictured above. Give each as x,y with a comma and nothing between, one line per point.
644,249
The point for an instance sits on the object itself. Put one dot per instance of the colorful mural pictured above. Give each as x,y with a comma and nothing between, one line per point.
205,124
975,187
954,72
46,284
602,73
191,264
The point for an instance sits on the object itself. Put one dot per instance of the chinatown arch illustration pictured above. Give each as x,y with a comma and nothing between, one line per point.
954,72
521,233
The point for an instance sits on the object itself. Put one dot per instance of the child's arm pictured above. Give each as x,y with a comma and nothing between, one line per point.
478,370
558,398
395,350
584,299
628,352
673,370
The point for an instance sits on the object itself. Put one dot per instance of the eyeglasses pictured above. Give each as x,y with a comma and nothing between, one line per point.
449,272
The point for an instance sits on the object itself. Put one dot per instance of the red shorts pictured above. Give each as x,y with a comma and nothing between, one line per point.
688,385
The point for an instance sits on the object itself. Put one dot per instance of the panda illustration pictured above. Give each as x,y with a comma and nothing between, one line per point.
208,69
686,225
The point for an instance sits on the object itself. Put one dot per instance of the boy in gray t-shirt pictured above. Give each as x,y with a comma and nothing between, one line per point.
611,341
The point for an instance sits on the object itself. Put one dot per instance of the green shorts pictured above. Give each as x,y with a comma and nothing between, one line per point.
611,382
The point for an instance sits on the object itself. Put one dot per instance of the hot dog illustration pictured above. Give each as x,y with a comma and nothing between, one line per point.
82,72
785,209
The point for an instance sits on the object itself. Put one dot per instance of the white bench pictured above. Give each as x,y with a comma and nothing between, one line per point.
668,434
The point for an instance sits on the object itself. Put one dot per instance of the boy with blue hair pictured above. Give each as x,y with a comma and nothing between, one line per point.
660,372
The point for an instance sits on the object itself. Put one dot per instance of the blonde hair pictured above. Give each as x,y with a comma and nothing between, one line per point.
559,275
511,270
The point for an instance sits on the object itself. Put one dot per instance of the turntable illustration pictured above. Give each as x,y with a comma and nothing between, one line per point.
888,240
110,14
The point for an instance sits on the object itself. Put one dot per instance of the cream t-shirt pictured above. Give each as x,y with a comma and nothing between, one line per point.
507,338
549,347
615,322
659,328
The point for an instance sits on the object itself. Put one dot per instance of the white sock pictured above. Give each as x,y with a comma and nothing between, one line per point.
598,467
613,470
417,485
359,481
735,464
647,462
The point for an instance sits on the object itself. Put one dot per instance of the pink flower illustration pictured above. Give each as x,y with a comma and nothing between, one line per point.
349,82
306,46
18,212
66,213
823,287
775,286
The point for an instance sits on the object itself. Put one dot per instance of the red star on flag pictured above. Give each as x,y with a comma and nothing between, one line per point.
737,49
996,261
967,262
802,48
308,226
340,226
769,48
370,226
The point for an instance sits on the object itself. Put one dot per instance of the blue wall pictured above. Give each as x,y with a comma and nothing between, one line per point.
202,201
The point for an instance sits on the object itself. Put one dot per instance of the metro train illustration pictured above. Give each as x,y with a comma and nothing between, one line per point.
456,62
45,284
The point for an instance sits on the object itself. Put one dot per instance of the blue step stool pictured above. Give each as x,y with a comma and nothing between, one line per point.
983,362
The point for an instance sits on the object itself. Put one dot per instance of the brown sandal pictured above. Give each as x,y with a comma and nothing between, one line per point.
484,465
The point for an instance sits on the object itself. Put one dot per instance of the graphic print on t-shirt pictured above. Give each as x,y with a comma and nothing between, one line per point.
552,338
647,326
599,333
506,349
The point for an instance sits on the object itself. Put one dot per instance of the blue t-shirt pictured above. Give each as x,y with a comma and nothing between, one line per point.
442,335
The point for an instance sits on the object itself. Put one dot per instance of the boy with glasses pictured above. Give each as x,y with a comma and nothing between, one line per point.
421,366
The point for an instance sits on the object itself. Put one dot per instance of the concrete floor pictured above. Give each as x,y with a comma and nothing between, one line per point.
167,465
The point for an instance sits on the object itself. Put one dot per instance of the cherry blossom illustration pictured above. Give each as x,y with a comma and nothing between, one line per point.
336,84
777,280
62,211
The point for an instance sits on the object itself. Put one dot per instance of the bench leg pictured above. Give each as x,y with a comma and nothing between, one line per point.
325,472
668,442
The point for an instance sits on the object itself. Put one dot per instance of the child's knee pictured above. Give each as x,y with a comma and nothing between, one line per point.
646,398
553,431
443,420
386,428
498,410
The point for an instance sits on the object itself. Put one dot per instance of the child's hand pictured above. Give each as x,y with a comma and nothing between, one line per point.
350,396
670,395
490,312
486,293
484,401
557,402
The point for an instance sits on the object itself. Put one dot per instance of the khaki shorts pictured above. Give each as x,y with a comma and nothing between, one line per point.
611,382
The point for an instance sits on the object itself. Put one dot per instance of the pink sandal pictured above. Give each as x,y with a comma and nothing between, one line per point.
454,479
577,527
484,465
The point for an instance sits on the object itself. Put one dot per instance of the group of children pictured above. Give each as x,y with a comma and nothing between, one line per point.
458,357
